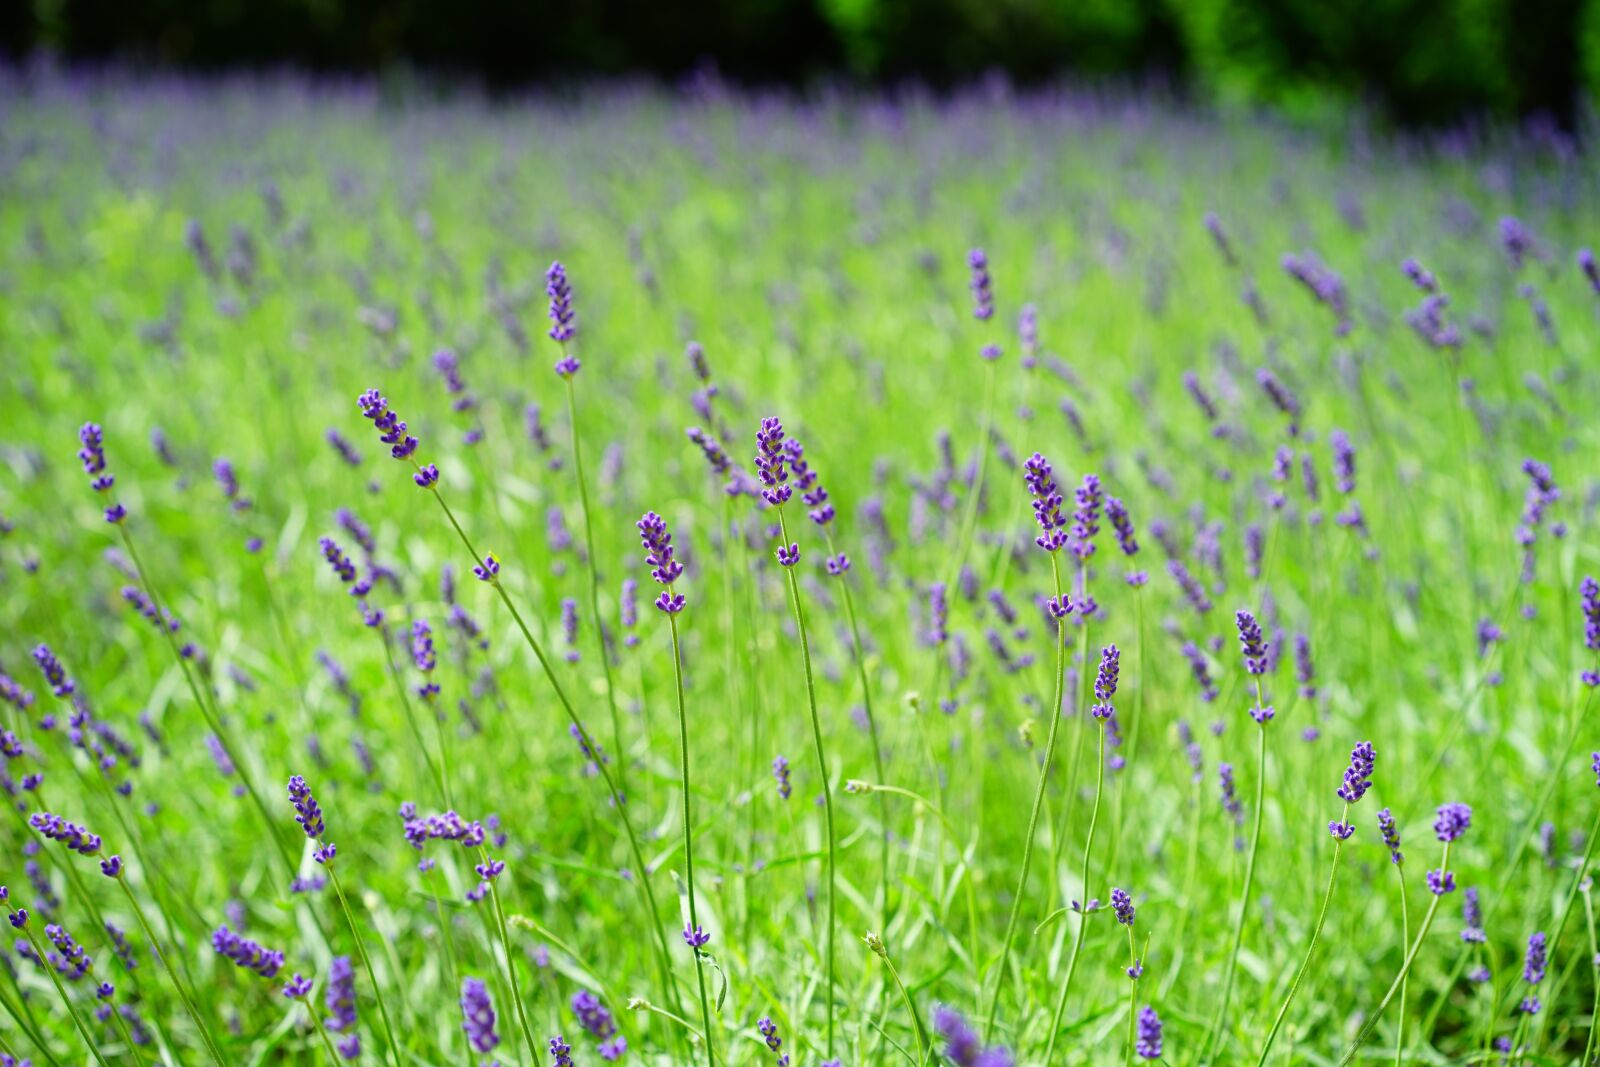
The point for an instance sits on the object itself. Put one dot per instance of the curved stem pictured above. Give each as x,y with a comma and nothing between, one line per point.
1038,804
1249,881
366,963
688,833
923,1048
411,719
1594,963
594,584
322,1032
1316,932
663,957
1133,997
172,976
511,963
1405,968
822,765
55,979
1083,918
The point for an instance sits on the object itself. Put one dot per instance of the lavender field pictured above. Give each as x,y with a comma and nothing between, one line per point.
1006,578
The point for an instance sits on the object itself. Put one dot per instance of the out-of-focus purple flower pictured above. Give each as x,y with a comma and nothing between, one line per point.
343,447
938,614
961,1044
1419,275
1282,398
780,772
1472,918
1122,906
1219,237
54,674
563,319
1085,516
297,988
981,286
1251,643
1441,882
1453,820
1122,525
246,953
1324,285
1201,671
592,1015
424,658
1514,238
1148,1045
1589,591
488,570
477,1015
1193,591
1533,966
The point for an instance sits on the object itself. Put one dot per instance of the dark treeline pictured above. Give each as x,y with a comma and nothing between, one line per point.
1419,61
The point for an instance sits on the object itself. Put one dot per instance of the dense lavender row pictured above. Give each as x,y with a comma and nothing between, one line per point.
1047,580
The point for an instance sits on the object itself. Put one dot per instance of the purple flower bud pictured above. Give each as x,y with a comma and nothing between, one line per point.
982,290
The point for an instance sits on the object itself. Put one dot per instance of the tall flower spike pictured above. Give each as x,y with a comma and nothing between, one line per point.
54,674
771,462
563,320
308,813
1391,836
1047,500
1251,643
658,555
1085,516
1105,683
1589,590
1149,1043
1122,525
93,457
391,430
422,655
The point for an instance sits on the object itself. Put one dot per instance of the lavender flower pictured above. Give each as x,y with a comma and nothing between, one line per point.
1122,525
1251,643
1589,589
1304,671
308,813
1192,589
1201,671
569,627
54,674
1085,516
1344,461
592,1015
1453,820
780,772
69,959
1472,918
1148,1045
658,556
343,447
1533,966
1358,776
477,1015
982,290
391,430
246,953
1122,906
1282,398
1105,683
770,462
563,320
1047,501
560,1052
812,492
75,837
938,614
423,657
93,457
961,1044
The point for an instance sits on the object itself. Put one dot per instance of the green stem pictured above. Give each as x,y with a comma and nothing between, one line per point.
969,518
1405,968
1316,932
594,584
822,765
688,834
511,963
1566,912
1249,881
172,976
1038,805
663,959
55,979
1133,997
1083,918
1405,939
409,710
1594,963
923,1048
872,732
316,1021
25,1024
366,963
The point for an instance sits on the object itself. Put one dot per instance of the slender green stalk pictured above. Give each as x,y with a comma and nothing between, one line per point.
1316,932
1083,917
663,958
434,770
25,1023
1594,964
316,1021
1038,805
1133,996
594,584
688,833
207,712
1566,912
1405,939
55,979
872,732
511,963
366,963
924,1049
172,976
1405,968
822,766
1249,881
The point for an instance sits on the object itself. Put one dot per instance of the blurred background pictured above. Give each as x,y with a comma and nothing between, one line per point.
1414,62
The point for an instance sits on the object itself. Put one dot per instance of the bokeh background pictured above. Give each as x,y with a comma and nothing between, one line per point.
1409,61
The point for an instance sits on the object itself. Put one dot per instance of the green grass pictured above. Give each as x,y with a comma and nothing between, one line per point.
817,252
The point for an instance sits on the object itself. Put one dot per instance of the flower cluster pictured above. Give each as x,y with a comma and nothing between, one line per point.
246,953
391,430
981,286
93,457
961,1044
75,837
1105,682
477,1015
308,813
1047,501
563,319
663,567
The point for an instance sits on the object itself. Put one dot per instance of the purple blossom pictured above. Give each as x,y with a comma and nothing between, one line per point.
780,772
1148,1045
391,430
664,568
54,674
770,463
75,837
246,953
1251,643
1047,501
1122,525
477,1015
1452,820
981,286
563,320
